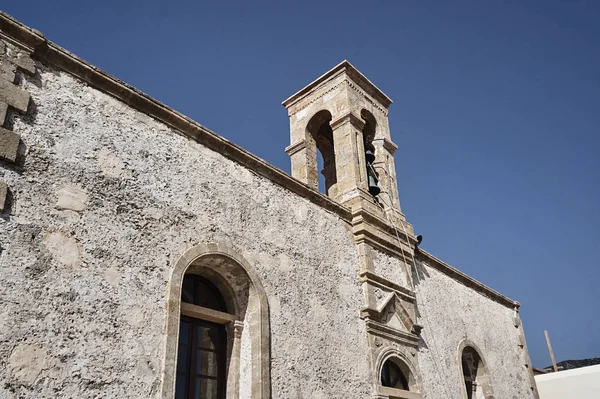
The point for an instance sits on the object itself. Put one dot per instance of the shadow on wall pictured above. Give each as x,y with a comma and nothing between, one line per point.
419,274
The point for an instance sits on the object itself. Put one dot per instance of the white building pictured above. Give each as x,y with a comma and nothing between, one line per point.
581,383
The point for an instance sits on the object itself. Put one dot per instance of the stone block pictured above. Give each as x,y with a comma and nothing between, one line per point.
26,63
71,198
7,71
3,195
13,95
9,145
3,109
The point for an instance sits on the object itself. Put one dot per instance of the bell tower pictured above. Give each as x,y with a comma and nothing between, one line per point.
345,117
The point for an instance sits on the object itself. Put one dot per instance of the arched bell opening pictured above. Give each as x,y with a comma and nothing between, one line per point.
319,129
368,132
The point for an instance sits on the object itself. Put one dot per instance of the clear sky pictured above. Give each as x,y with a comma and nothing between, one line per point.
496,114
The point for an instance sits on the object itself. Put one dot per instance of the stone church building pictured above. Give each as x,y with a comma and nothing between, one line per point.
144,256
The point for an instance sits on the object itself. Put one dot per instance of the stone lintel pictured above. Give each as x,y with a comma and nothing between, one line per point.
3,195
9,145
13,95
392,334
352,73
382,282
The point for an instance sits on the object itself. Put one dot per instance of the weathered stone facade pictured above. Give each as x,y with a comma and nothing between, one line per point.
110,198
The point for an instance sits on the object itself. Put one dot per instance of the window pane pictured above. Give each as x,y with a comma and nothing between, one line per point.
208,338
205,388
184,332
207,364
392,376
180,387
187,291
182,359
209,296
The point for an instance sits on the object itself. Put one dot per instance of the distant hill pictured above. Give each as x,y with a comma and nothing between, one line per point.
575,364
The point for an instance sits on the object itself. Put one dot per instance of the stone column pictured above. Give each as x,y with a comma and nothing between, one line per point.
385,166
234,331
303,155
349,156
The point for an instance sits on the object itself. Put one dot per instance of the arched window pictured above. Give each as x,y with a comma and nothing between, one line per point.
217,332
392,376
475,375
202,343
396,380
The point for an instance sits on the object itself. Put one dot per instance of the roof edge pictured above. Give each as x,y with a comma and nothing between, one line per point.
43,49
464,279
343,67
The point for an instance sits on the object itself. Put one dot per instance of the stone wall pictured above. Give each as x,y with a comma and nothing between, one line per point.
452,313
105,202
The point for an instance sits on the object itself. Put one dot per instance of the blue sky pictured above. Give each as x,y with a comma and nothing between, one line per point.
496,114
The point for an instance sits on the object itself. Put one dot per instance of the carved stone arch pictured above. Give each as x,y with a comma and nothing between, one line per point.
482,376
370,128
319,137
191,261
401,359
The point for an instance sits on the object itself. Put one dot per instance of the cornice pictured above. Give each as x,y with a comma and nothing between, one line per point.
299,105
381,282
381,234
462,278
353,73
377,328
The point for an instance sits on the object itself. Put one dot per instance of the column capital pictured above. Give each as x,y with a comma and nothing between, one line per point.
349,117
238,327
294,148
388,144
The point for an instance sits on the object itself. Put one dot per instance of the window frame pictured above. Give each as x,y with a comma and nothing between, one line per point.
221,356
198,317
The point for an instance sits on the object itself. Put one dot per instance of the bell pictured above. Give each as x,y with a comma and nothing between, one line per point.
373,187
370,155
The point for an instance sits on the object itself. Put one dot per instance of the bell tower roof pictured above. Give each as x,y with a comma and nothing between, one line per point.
353,74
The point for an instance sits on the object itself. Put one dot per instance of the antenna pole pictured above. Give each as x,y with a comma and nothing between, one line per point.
551,352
